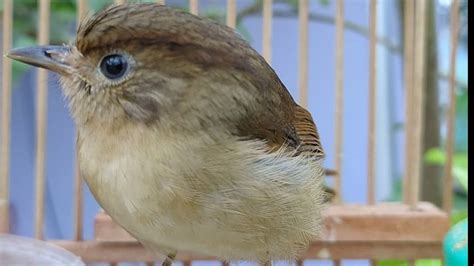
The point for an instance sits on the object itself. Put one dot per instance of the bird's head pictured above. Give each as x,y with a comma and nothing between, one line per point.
138,61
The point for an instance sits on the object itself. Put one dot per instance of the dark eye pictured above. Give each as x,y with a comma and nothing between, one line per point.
114,66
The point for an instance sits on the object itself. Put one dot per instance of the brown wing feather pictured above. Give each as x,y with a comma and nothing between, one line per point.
310,143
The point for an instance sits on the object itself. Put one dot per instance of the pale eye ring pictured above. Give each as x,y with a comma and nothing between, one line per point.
114,66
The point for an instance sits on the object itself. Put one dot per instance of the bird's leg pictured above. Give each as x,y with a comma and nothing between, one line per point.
159,251
169,259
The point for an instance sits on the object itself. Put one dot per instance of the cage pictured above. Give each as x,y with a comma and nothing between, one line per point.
406,230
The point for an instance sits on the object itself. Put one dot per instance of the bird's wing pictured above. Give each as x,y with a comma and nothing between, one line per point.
290,127
293,129
276,118
309,141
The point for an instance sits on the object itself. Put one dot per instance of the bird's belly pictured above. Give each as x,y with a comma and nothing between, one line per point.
179,224
233,202
160,207
201,238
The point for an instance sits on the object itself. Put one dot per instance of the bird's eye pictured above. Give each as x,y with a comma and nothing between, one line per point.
114,66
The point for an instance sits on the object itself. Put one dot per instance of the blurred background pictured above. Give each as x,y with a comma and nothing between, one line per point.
60,168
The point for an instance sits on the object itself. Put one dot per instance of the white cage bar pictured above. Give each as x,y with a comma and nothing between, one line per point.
371,159
267,15
339,113
409,9
194,7
231,15
41,122
6,117
303,52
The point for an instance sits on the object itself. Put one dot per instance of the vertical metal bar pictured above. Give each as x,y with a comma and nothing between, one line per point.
339,97
372,103
231,17
78,202
451,115
41,121
78,183
303,52
408,74
418,99
194,7
82,9
6,117
267,30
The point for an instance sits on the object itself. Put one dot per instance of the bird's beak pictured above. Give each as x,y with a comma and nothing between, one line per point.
49,57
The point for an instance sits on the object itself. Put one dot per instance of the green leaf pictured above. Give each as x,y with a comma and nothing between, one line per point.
435,156
391,263
460,173
460,160
404,263
428,263
438,157
458,216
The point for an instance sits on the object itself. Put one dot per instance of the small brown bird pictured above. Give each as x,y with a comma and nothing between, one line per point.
186,136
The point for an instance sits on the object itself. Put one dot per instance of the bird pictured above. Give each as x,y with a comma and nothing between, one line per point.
187,137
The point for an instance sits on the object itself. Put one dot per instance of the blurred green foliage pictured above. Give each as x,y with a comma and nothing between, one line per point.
404,263
461,120
437,156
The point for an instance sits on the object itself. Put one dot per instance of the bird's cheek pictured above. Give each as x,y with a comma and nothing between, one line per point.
140,108
71,85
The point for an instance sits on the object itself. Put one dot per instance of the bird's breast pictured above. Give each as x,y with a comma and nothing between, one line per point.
128,172
228,198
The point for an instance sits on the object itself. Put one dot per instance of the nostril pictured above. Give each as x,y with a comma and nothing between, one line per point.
57,55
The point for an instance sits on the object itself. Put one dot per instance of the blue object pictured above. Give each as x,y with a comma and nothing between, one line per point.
455,245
